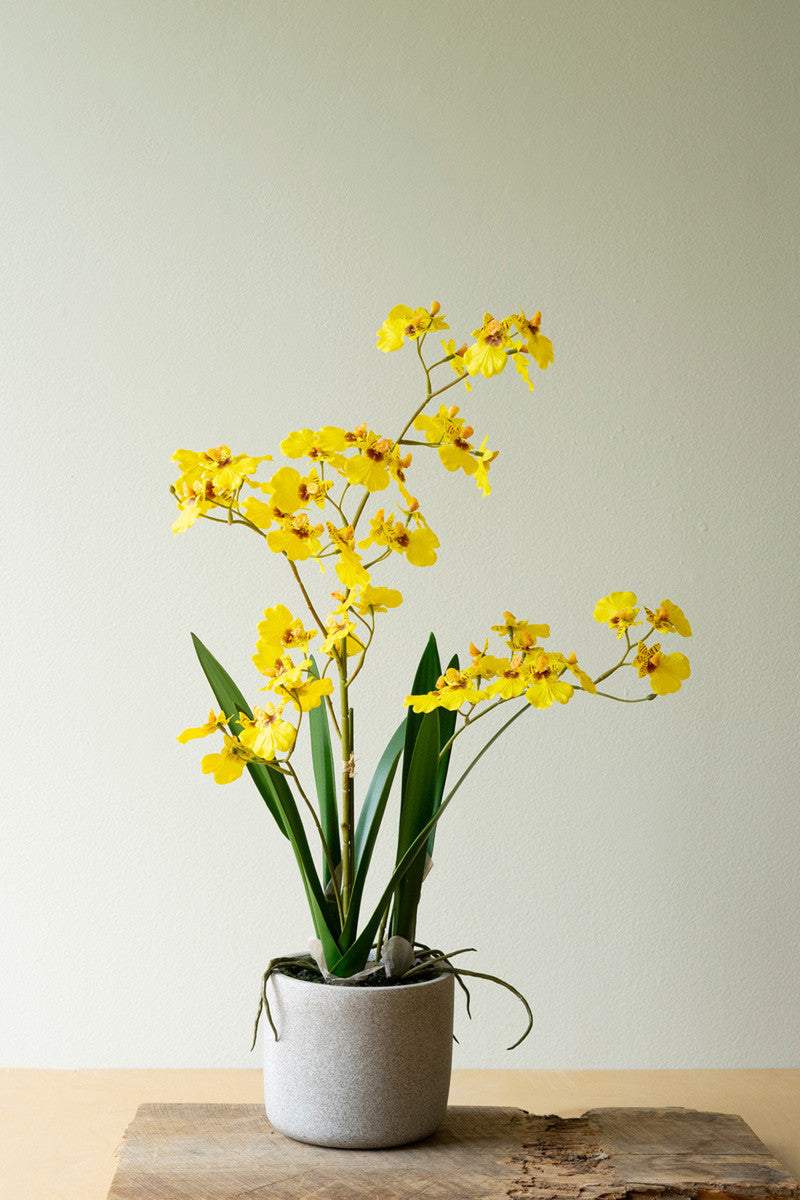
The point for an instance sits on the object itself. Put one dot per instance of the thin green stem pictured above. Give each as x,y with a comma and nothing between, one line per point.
332,715
307,599
622,699
621,662
363,652
380,558
470,720
347,823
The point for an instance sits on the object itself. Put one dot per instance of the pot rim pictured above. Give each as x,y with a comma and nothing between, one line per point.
385,989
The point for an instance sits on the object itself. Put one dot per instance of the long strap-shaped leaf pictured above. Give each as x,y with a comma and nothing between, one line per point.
418,805
324,777
277,796
427,673
231,701
417,808
360,949
369,823
369,819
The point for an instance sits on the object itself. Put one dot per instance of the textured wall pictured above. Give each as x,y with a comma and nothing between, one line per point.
208,209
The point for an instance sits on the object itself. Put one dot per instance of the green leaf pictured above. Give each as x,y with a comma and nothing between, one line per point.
276,794
372,809
427,673
325,779
369,823
354,958
231,701
417,806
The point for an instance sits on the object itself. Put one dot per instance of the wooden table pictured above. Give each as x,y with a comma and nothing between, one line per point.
59,1129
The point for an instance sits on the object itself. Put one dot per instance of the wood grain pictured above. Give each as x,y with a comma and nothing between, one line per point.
230,1152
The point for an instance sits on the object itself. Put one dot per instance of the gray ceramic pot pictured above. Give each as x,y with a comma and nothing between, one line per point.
358,1067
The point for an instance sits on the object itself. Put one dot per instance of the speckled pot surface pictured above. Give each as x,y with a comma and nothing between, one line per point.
358,1067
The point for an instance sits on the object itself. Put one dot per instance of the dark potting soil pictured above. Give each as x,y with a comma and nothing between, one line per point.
379,979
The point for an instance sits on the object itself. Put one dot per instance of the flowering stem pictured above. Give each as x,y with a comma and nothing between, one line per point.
470,720
380,558
347,780
338,507
621,662
371,629
307,599
622,699
332,715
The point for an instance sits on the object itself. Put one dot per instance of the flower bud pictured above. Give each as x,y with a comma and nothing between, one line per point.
462,351
435,308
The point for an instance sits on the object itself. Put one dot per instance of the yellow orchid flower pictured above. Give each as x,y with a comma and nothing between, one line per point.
545,685
520,635
341,629
512,680
306,694
456,358
377,599
618,610
225,470
324,446
229,763
289,490
271,660
486,666
666,672
211,726
404,322
297,538
267,733
262,515
370,468
539,347
449,432
669,619
488,354
521,363
349,566
453,689
446,426
586,682
484,459
280,628
194,500
419,545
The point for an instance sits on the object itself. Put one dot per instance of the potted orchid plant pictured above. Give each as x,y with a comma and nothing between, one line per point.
366,1014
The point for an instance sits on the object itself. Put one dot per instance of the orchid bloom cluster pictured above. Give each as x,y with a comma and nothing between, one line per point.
535,673
316,511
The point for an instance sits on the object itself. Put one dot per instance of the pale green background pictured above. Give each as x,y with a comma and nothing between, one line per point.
208,209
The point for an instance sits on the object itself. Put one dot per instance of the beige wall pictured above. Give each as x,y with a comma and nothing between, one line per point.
207,210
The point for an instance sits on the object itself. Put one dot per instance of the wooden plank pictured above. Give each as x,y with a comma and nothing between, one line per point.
230,1152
